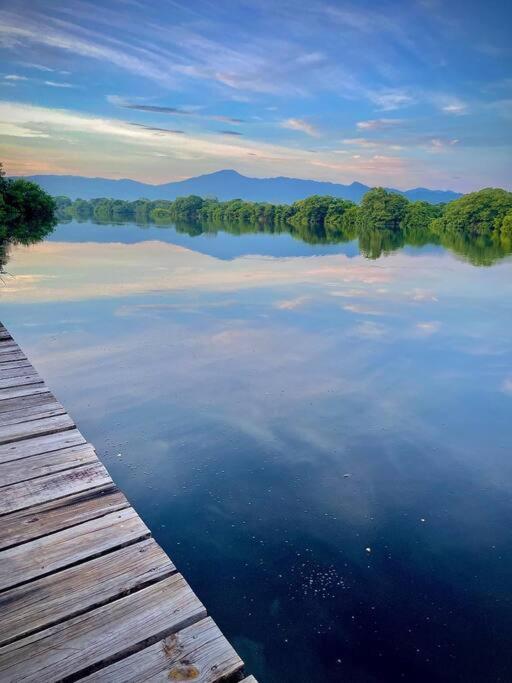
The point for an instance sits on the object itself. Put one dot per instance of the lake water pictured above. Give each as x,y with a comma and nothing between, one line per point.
321,442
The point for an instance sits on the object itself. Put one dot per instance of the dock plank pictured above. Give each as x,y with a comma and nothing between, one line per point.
20,381
12,355
27,493
56,515
199,652
23,402
65,548
84,589
40,444
27,430
32,413
47,601
16,392
14,472
17,371
103,634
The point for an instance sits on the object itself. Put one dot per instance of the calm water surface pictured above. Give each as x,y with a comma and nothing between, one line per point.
320,442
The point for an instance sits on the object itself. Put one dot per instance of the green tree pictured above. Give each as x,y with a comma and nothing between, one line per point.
382,210
477,213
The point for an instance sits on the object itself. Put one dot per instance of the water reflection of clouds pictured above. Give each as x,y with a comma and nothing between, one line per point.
62,271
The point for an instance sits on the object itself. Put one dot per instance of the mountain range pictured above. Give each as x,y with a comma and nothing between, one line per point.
224,185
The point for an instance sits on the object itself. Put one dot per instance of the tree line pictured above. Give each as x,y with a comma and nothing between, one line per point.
487,213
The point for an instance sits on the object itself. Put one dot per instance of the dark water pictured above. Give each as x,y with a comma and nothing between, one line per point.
321,442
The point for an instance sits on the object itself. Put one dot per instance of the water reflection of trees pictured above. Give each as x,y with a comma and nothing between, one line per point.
27,214
373,244
26,233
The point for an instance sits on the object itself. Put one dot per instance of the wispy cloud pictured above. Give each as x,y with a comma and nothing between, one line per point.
439,145
171,111
366,143
430,327
452,105
302,126
377,124
292,304
15,77
56,84
157,129
388,100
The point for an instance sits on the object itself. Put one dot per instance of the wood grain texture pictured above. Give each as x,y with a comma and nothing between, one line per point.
103,634
52,486
17,371
46,463
68,547
47,601
198,653
32,413
24,402
14,392
41,444
20,380
84,590
56,515
12,355
26,430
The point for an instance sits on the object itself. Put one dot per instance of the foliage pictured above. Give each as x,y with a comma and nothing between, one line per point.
27,213
383,221
382,210
478,213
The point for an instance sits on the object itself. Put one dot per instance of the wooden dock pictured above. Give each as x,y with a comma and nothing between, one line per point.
85,592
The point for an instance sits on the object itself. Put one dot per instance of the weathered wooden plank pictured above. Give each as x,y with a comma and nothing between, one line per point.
103,634
4,334
56,515
52,486
65,548
46,463
26,430
23,402
33,413
20,381
40,444
23,371
47,601
198,653
12,355
13,364
16,392
7,346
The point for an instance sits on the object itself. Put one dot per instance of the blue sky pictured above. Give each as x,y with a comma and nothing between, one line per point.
394,93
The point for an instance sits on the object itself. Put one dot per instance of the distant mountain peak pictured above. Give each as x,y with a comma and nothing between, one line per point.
224,184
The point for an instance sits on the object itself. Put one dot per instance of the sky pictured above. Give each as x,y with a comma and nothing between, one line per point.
401,94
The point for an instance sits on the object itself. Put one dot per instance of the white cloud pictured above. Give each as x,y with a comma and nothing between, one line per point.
15,77
371,144
430,327
292,304
377,124
55,84
438,145
391,99
506,387
301,125
12,130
